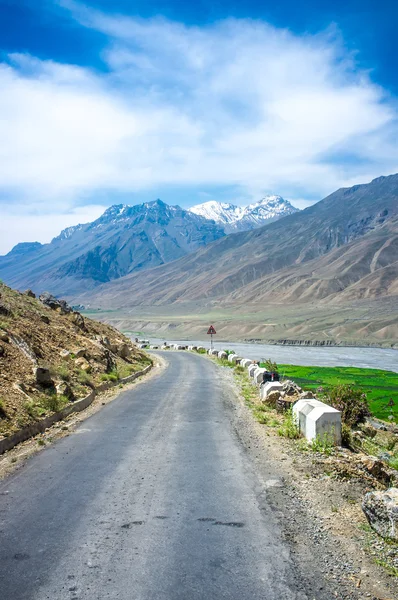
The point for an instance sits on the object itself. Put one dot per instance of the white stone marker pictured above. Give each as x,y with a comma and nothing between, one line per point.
222,355
245,362
232,357
317,419
270,386
252,369
258,375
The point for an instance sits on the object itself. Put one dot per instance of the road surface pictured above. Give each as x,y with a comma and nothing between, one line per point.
152,498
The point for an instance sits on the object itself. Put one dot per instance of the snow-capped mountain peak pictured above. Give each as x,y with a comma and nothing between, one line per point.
239,218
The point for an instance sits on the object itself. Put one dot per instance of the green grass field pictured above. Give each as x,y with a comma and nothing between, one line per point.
378,385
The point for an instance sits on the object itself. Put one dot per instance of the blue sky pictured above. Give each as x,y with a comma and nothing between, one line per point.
120,101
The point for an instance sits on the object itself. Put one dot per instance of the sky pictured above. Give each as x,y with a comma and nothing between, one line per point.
115,101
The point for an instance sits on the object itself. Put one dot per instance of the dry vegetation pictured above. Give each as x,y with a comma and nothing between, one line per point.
50,357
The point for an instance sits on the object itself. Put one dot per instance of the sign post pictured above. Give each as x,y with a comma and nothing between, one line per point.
211,332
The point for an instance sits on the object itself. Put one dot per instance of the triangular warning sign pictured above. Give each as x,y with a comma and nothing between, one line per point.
211,330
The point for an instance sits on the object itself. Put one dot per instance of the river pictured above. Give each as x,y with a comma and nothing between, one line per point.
371,358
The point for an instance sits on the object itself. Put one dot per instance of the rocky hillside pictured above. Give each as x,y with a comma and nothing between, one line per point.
51,356
244,218
125,239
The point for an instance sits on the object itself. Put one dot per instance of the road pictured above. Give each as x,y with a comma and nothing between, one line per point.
153,497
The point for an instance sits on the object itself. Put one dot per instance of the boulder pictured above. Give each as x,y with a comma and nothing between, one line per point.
124,350
63,389
4,337
222,355
381,510
291,388
45,319
80,352
2,350
272,398
83,364
78,320
64,353
43,376
307,396
30,294
52,302
377,469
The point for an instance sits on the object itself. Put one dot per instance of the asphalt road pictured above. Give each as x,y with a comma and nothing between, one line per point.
151,498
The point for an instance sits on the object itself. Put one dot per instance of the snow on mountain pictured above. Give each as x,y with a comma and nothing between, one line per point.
240,218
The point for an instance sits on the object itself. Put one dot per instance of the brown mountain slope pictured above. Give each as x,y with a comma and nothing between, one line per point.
52,356
308,255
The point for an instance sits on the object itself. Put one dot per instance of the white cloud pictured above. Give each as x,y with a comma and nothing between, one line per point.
236,103
19,226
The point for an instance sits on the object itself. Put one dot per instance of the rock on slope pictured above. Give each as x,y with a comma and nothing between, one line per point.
123,240
50,355
351,233
238,218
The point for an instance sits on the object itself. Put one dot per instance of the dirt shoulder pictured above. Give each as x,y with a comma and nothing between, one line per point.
320,510
16,458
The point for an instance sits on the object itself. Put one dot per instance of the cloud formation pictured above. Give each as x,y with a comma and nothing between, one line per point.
235,103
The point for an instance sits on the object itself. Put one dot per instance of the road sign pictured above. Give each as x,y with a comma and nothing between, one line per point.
211,331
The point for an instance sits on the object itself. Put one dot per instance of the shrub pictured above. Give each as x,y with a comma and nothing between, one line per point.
346,436
34,410
53,403
112,376
85,379
271,366
324,444
289,428
352,402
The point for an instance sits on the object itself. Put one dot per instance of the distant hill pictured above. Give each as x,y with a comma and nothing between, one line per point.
124,239
244,218
344,247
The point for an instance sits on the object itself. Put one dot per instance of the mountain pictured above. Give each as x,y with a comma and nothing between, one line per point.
123,240
238,218
345,246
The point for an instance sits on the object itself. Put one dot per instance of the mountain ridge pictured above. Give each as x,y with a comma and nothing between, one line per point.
244,218
230,267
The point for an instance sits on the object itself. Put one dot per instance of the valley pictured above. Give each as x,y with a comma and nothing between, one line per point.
362,323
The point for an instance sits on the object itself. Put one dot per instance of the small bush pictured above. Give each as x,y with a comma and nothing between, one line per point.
289,428
63,373
34,410
271,366
346,435
53,403
85,379
112,376
352,402
323,444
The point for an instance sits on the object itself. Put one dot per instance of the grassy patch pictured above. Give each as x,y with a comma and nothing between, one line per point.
112,376
378,385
